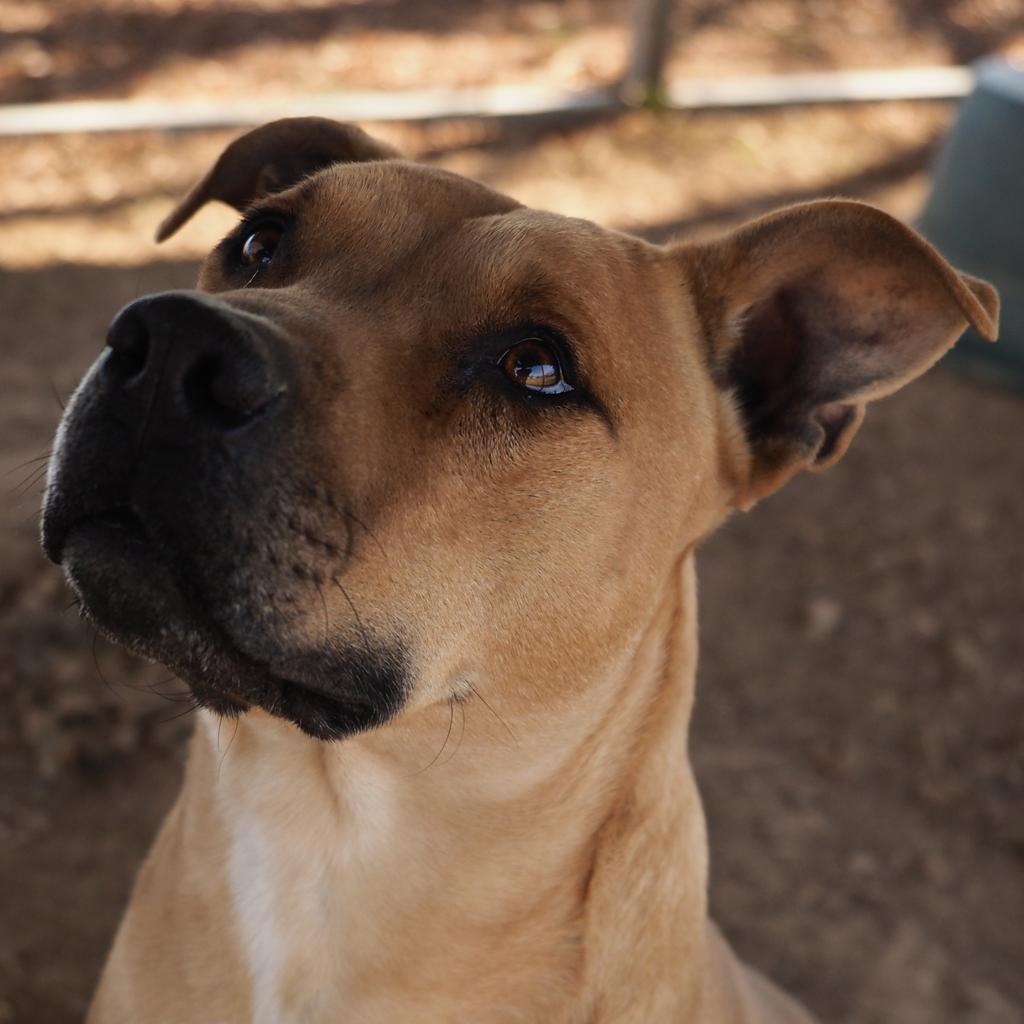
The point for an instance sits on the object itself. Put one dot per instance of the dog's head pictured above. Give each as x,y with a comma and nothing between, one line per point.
409,437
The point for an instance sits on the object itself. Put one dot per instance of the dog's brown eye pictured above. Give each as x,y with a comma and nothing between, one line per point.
533,365
259,248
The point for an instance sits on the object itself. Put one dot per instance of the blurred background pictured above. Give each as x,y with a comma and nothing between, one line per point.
859,734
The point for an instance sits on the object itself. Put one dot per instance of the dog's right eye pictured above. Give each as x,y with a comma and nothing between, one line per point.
533,365
259,246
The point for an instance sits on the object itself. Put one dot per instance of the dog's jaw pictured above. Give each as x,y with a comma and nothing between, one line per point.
128,591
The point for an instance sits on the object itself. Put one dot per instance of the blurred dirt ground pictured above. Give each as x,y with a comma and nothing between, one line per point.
859,733
59,48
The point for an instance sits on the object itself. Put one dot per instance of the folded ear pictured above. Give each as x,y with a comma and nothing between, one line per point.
813,311
273,158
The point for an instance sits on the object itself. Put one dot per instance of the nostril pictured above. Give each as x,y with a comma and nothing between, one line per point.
128,341
178,362
201,392
226,394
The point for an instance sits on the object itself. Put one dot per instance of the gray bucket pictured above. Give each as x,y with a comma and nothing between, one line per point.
975,213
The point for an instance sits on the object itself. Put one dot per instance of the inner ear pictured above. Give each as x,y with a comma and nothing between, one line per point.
789,370
809,314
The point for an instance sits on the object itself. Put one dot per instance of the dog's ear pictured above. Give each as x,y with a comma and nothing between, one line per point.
273,158
813,311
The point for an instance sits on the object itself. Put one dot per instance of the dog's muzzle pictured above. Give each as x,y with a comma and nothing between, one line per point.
189,509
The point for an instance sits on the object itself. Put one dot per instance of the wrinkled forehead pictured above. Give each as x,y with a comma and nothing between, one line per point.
443,245
386,211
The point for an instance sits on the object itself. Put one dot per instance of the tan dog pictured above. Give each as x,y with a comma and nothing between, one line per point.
421,471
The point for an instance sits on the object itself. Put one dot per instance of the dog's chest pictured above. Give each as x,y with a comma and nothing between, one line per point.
255,885
303,893
348,904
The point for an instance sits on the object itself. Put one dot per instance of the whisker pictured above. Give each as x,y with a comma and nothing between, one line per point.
154,688
355,612
33,478
56,394
351,515
507,727
28,462
447,737
323,601
462,732
180,714
234,733
172,697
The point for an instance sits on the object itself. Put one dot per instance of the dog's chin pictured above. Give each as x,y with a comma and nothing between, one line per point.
134,598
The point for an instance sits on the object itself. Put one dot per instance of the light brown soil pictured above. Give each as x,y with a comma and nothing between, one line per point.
858,734
58,49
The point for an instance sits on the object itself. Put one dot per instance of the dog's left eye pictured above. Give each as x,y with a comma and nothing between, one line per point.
259,247
532,364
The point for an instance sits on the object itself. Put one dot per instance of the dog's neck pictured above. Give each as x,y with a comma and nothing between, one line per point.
526,861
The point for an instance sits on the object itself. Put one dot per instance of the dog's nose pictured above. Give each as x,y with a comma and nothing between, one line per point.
188,364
